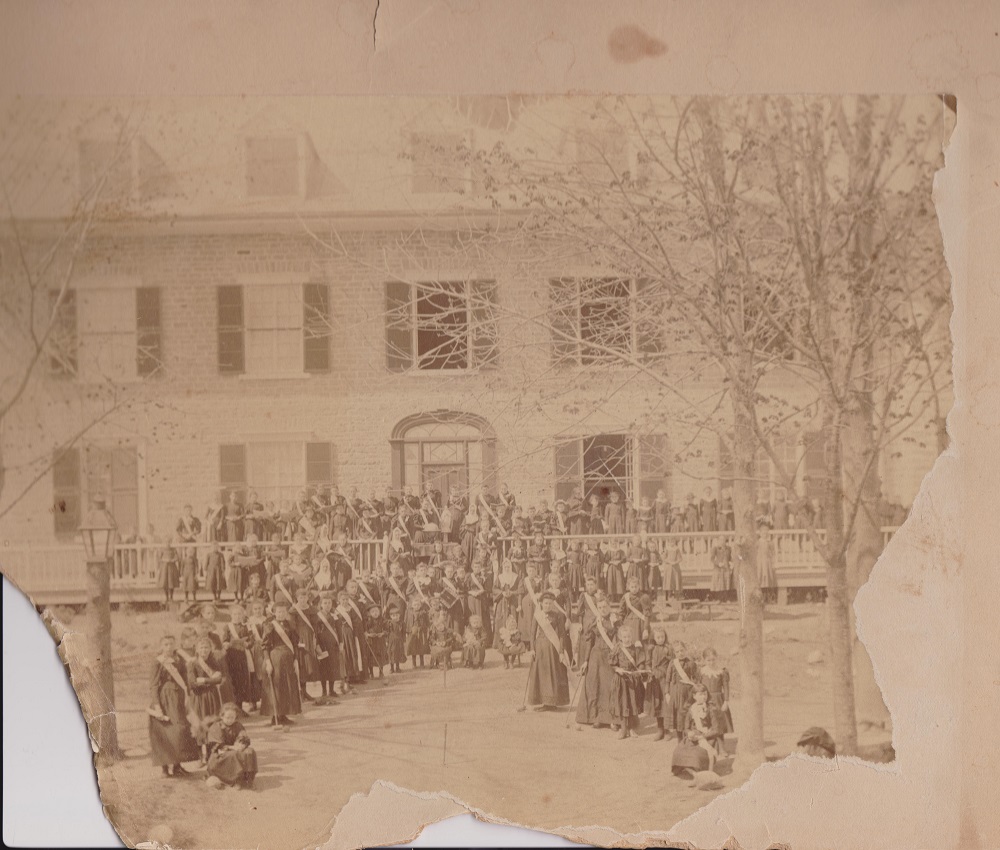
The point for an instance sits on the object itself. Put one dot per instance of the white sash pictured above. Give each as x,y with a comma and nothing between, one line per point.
329,627
627,599
284,636
174,673
249,654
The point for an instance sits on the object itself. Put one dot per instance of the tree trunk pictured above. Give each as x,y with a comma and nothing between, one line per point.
864,547
96,684
838,603
750,723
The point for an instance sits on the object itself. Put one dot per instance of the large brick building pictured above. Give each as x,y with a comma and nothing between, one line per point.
280,294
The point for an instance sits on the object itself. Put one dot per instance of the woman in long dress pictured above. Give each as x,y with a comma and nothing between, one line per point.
279,640
169,728
596,647
548,676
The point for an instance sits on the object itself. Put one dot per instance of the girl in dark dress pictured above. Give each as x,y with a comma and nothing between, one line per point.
169,728
716,681
279,640
548,676
204,677
596,646
231,759
396,638
168,573
236,644
506,597
627,689
659,657
683,676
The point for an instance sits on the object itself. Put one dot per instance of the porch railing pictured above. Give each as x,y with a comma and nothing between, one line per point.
53,569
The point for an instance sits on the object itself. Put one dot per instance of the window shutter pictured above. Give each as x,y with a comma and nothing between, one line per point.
230,318
568,467
63,340
66,495
316,327
233,470
654,466
648,317
484,332
563,319
148,353
398,326
319,463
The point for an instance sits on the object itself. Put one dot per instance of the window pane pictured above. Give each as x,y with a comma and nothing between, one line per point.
64,339
276,470
230,317
605,320
107,334
567,457
442,326
319,463
485,327
398,326
444,452
316,327
232,465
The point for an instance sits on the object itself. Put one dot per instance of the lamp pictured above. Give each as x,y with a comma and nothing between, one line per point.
99,532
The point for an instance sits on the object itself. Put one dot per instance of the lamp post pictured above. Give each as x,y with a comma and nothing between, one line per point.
97,688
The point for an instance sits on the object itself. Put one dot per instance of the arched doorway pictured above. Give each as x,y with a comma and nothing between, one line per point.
453,452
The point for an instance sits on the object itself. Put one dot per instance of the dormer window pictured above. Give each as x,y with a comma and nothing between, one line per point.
273,166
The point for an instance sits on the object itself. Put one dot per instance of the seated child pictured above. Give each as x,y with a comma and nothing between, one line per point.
474,644
511,646
443,642
231,759
699,723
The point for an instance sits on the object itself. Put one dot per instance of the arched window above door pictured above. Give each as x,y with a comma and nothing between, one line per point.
452,451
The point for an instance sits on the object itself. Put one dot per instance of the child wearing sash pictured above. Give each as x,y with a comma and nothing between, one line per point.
627,690
683,673
329,650
658,658
169,729
635,610
261,682
279,641
597,643
231,759
351,635
204,677
236,644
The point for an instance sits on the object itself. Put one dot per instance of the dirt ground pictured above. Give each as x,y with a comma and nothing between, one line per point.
461,733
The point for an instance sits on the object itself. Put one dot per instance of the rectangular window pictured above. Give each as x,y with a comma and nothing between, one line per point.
815,475
770,475
276,471
605,320
441,325
67,494
79,476
230,324
316,327
274,336
63,342
233,471
272,166
147,327
107,334
319,463
600,464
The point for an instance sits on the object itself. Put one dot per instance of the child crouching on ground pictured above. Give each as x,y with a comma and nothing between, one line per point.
231,759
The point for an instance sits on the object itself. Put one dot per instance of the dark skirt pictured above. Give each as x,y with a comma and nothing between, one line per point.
171,742
595,700
215,576
285,683
656,697
418,641
680,695
548,681
206,705
233,765
626,697
239,675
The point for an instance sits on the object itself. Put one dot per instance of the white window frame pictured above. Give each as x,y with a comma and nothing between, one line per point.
295,283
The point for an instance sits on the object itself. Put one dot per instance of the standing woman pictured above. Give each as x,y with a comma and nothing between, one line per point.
765,562
597,643
169,730
548,676
168,572
279,640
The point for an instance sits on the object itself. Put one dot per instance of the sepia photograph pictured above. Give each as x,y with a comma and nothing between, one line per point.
531,448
